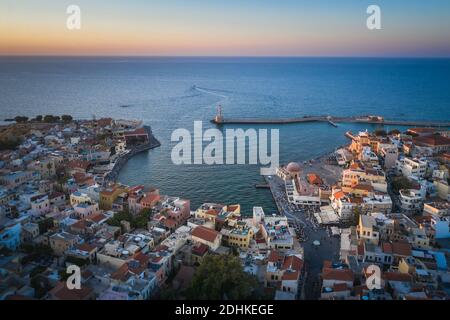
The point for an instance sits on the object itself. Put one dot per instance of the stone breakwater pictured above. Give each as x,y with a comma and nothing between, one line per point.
122,160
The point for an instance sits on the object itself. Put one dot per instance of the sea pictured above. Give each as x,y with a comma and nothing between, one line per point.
170,93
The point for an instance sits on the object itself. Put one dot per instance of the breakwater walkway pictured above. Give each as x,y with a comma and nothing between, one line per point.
122,160
332,120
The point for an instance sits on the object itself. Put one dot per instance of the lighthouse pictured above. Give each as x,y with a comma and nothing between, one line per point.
219,116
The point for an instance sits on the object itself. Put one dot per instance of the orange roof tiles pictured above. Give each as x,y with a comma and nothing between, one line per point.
204,233
432,140
61,292
337,274
401,248
397,276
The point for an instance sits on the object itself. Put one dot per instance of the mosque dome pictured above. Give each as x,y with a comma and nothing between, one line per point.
293,167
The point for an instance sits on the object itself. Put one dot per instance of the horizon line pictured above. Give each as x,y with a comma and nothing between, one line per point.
219,56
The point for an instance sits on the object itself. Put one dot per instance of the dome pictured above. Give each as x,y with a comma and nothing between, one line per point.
293,167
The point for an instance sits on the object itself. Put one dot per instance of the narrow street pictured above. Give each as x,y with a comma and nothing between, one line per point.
314,255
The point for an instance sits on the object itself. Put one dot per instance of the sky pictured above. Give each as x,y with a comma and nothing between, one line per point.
410,28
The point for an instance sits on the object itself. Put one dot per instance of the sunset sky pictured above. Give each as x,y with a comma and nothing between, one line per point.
226,28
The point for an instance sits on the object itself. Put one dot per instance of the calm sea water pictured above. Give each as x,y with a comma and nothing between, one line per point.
170,93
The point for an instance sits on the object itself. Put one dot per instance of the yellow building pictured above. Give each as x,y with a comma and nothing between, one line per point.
214,212
239,236
368,229
356,174
109,195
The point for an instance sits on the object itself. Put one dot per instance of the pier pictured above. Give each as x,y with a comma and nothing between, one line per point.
220,120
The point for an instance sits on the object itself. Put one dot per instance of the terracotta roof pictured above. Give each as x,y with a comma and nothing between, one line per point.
432,140
200,249
170,223
61,292
274,256
204,233
387,247
339,195
401,248
81,177
362,186
78,164
340,287
151,198
121,273
55,194
314,179
337,274
96,217
213,212
397,276
422,130
290,275
85,247
80,224
293,263
103,122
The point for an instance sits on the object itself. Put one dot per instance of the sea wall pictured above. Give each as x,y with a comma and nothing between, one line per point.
122,160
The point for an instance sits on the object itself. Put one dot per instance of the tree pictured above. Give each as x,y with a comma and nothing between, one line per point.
380,133
394,131
399,183
48,118
119,216
39,118
9,143
222,277
137,221
66,118
45,225
21,119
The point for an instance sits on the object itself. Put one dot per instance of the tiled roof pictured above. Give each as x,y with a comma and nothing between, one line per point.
401,248
61,292
397,276
337,274
204,233
432,140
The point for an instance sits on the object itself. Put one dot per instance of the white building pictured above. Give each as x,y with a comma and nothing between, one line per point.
79,197
41,205
85,209
441,226
411,200
377,203
389,153
412,167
